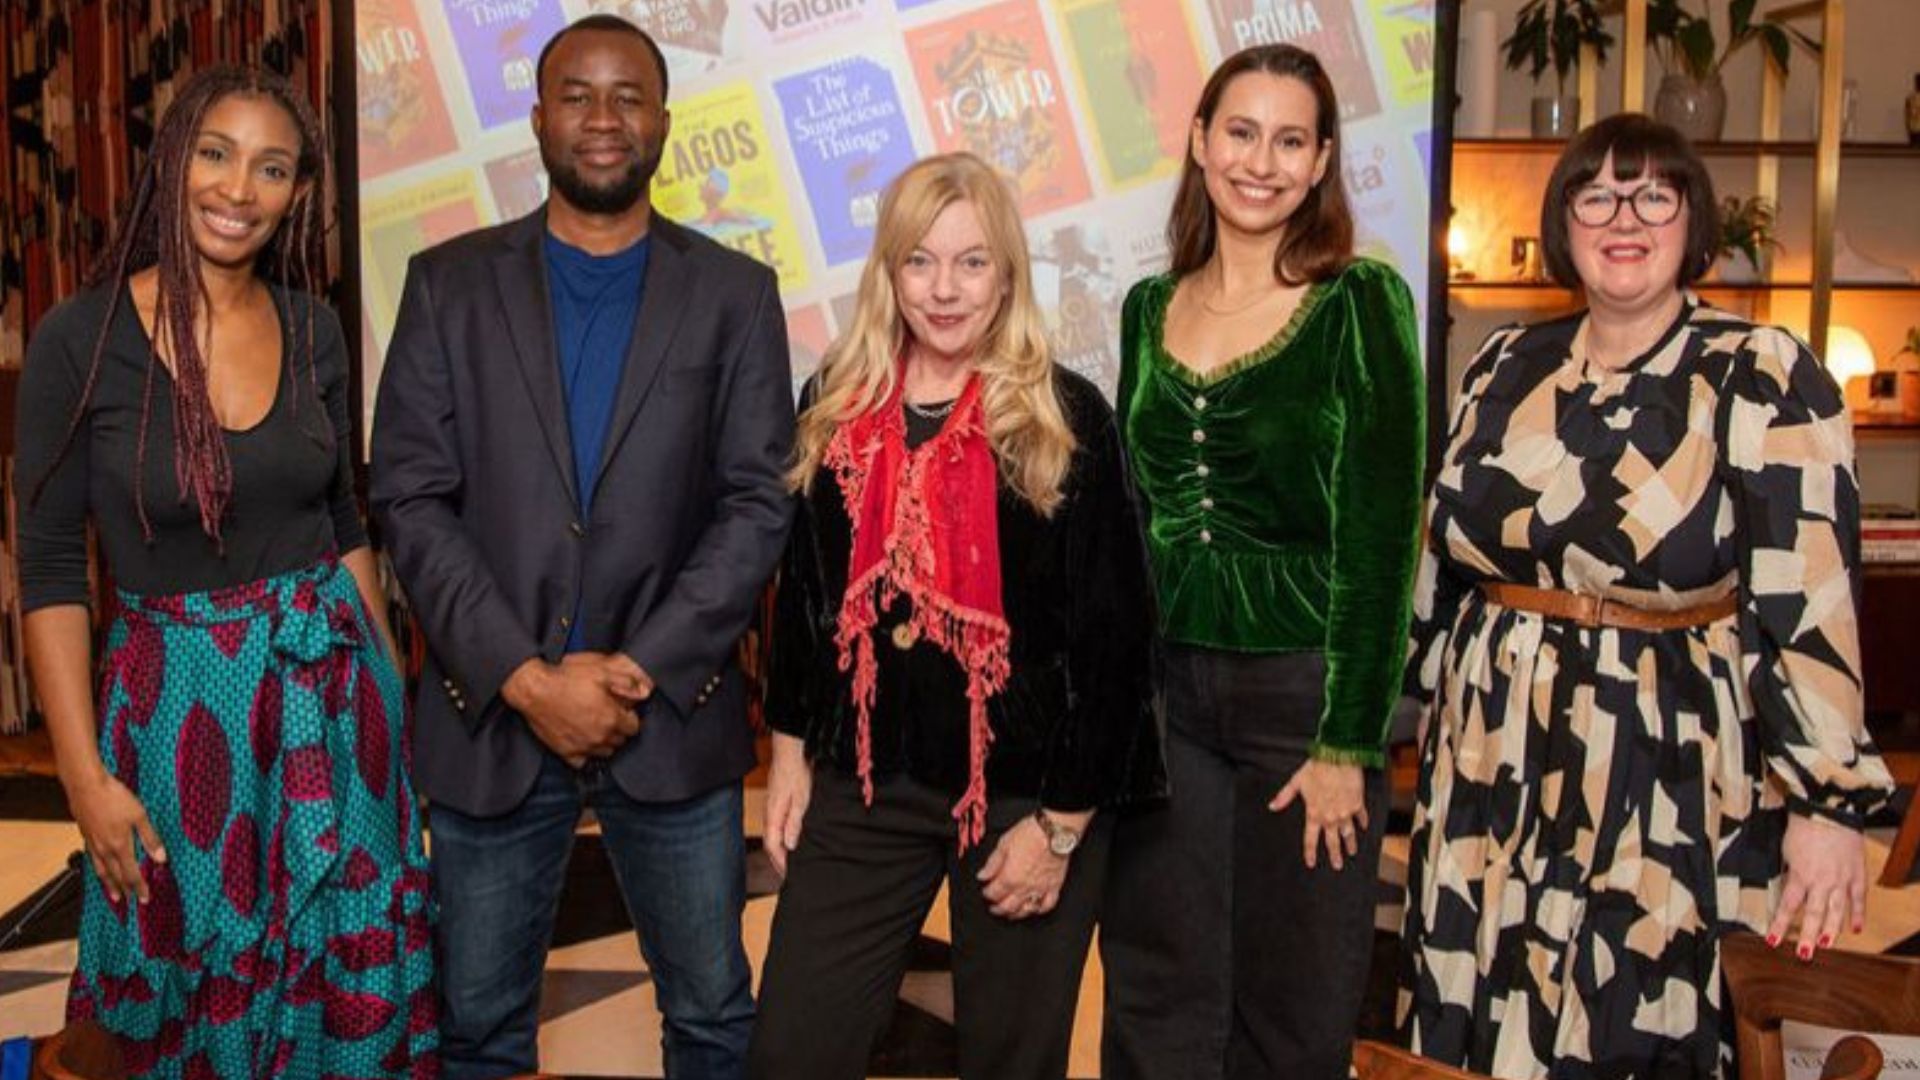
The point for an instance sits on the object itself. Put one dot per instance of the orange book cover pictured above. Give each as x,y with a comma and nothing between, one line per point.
990,85
403,112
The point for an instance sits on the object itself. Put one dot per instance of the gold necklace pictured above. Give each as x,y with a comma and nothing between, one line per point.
1242,309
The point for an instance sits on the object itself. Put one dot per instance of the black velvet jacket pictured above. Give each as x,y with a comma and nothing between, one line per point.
1074,726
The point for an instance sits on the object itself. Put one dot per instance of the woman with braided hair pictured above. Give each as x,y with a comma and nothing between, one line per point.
256,900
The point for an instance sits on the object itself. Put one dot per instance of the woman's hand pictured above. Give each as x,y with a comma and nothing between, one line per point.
1336,809
1023,877
1826,883
110,818
789,790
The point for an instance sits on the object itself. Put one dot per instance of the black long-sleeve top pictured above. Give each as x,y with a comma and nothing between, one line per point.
292,472
1074,726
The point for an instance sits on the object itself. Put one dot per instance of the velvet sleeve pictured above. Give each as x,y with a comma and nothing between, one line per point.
52,491
1106,748
1786,444
1376,512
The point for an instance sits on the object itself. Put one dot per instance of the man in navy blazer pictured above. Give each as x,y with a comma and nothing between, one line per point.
577,461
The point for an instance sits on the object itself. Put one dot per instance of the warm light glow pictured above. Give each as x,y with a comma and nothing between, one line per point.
1459,251
1848,354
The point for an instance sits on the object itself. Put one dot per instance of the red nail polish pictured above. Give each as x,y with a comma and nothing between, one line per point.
1773,941
1806,952
1826,940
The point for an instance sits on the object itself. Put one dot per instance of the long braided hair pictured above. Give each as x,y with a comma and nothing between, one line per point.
155,231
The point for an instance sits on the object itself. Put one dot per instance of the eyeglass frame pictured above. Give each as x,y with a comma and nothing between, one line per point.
1620,200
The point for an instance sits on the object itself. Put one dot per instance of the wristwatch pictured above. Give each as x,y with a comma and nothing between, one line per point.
1061,839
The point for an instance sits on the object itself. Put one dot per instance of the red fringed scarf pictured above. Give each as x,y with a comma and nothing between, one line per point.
925,525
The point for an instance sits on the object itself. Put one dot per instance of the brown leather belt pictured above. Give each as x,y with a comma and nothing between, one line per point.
1597,611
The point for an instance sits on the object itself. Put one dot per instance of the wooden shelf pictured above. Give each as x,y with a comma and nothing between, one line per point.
1701,286
1729,148
1875,432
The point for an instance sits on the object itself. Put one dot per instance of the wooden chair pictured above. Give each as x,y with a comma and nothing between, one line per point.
83,1051
1855,1057
1379,1061
1836,989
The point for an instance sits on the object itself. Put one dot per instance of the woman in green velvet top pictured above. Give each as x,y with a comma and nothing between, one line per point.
1270,395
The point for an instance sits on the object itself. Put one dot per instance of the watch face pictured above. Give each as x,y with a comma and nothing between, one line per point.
1062,841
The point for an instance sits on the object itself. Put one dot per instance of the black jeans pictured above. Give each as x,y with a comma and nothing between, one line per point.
858,889
1225,956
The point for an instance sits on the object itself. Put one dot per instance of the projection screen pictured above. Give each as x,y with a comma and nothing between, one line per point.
790,116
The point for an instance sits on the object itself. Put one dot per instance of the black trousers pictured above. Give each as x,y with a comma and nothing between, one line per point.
858,889
1225,956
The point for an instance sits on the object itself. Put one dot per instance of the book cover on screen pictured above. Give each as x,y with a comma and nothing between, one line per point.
1403,31
771,24
990,85
1138,69
691,33
849,138
1330,29
395,226
519,184
402,117
718,175
499,42
807,341
1074,280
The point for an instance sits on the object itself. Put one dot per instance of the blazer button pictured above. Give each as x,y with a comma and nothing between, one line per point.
576,529
566,622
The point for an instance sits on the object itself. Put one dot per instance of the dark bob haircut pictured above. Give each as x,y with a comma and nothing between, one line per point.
1319,239
1641,146
612,24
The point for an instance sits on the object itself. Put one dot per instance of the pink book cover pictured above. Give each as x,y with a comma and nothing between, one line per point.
990,85
403,116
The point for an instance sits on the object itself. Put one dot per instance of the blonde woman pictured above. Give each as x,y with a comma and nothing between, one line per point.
961,654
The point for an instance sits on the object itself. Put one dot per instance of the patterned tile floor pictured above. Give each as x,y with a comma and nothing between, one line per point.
598,1015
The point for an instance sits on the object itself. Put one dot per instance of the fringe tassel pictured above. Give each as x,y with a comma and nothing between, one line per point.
980,641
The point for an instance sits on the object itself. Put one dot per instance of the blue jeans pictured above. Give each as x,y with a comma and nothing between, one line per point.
681,869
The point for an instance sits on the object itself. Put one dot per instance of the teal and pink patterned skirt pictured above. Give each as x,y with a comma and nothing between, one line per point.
289,932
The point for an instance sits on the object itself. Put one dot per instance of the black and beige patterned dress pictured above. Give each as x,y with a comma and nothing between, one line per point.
1598,806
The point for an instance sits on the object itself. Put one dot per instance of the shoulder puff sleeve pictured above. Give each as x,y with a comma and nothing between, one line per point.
1376,513
1132,312
1786,448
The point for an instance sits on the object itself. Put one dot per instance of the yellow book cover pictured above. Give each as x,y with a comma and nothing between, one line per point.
394,226
1403,35
718,175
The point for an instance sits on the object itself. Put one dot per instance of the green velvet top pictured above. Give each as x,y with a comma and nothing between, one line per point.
1283,489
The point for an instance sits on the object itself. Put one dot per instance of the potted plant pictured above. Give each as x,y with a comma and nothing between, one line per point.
1548,34
1746,237
1692,96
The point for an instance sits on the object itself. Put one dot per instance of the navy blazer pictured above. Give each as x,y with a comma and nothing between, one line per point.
472,482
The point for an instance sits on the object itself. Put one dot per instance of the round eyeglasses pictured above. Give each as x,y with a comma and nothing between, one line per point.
1597,205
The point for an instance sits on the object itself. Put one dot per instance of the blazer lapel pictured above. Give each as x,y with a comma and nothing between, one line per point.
669,289
520,273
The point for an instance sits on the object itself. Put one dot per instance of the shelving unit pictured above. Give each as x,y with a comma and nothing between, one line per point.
1507,285
1723,148
1766,153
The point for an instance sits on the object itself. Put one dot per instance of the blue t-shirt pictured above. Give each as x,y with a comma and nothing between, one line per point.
595,300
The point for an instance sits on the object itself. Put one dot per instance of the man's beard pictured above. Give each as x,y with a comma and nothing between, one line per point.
616,197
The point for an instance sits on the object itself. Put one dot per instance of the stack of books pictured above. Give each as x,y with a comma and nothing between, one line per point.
1889,533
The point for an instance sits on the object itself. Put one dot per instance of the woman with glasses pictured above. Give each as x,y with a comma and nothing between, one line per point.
1635,625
